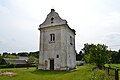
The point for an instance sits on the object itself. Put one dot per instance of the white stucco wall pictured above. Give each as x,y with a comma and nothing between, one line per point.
62,47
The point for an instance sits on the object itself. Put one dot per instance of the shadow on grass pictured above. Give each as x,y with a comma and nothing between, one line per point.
49,72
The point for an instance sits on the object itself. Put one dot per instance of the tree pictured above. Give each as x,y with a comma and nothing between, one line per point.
35,54
5,54
14,54
79,56
11,56
115,57
1,59
24,54
97,54
11,64
32,60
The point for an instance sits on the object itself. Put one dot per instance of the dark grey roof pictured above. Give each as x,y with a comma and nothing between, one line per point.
23,58
15,61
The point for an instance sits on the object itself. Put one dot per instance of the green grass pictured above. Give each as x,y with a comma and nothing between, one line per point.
82,73
113,66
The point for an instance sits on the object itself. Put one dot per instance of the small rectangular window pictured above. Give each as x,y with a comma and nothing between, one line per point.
71,40
57,56
52,37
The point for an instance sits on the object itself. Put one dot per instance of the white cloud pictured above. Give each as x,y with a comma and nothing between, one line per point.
113,40
93,20
3,10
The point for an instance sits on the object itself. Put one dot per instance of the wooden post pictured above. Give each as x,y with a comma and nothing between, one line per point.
107,70
116,74
107,73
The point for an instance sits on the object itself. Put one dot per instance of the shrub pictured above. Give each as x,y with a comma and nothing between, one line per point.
11,65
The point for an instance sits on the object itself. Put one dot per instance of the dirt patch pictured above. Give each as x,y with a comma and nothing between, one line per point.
7,73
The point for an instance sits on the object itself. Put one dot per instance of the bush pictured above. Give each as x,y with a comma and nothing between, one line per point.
11,65
3,66
98,75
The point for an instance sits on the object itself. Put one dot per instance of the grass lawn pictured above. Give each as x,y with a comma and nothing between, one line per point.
82,73
113,66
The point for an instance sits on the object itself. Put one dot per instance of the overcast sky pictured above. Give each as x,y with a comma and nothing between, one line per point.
95,21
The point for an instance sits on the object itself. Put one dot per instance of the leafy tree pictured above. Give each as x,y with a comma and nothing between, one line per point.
32,60
11,64
24,54
97,54
11,56
79,56
5,54
1,59
14,54
115,57
35,54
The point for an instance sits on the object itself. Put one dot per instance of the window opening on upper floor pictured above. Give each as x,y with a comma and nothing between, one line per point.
52,20
71,40
52,37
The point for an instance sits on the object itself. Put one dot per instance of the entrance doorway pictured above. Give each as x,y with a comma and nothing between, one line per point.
52,64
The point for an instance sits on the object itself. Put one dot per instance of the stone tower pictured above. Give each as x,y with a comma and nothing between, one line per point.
57,44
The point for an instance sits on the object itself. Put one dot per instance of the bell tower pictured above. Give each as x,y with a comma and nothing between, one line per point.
57,44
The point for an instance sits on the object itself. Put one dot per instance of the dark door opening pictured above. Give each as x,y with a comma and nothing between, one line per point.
52,64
